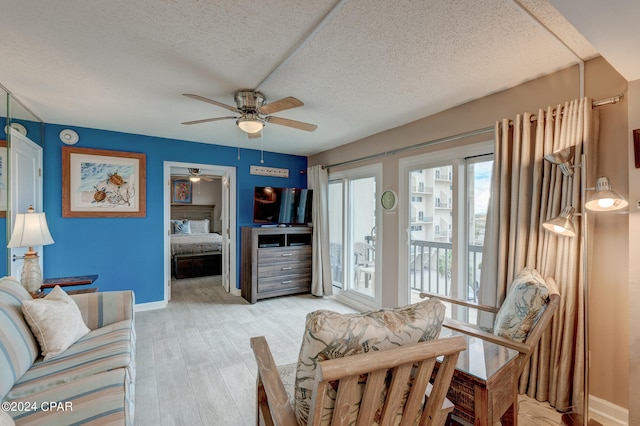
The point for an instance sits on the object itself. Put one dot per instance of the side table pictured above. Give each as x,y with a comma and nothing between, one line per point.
69,282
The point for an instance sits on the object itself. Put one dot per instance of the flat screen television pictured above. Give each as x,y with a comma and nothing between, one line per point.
281,206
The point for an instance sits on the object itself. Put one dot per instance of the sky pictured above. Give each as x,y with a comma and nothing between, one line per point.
482,173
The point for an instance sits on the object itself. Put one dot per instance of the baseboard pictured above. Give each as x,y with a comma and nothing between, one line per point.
607,413
150,306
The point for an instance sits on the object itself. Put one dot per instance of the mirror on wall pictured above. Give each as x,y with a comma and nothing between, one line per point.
15,116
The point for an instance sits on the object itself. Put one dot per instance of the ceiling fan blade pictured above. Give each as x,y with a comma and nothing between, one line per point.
206,120
291,123
280,105
211,101
255,135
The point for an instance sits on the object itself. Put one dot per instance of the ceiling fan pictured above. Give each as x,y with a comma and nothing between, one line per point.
195,175
254,112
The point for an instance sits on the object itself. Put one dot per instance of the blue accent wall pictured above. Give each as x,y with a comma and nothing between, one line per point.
128,253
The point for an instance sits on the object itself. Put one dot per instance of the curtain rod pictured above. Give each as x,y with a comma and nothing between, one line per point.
598,103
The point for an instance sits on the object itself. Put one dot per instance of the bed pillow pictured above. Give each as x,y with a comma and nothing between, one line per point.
181,226
199,226
56,322
330,335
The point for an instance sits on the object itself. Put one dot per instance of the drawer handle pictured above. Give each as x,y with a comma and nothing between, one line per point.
286,268
286,254
287,282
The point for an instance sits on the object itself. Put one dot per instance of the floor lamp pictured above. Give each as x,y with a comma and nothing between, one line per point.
603,199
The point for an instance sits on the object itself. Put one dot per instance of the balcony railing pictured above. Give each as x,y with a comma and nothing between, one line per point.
422,189
430,268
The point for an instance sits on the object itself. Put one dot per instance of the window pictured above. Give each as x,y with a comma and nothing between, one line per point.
445,259
353,219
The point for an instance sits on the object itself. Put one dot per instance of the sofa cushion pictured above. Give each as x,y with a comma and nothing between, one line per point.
101,350
12,292
526,298
18,347
104,398
5,419
331,335
55,321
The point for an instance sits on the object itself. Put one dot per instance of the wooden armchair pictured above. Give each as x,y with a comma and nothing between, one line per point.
410,367
525,348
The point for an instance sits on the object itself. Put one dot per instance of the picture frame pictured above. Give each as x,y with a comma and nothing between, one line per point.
636,148
182,191
3,179
103,183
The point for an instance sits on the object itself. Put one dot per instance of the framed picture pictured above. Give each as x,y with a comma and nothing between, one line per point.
181,191
636,148
102,183
3,179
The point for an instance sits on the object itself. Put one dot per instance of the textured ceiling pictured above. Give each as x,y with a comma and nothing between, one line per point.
360,67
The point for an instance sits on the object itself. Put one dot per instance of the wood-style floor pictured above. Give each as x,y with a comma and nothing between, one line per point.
194,364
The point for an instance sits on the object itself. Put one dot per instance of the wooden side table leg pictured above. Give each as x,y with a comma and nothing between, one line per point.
481,406
510,417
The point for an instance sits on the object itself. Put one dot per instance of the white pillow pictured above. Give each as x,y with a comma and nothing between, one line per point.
55,321
200,226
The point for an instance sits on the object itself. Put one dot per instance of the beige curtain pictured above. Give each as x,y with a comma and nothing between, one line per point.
318,180
526,191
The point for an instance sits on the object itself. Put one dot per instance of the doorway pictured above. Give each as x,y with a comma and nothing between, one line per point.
25,190
223,216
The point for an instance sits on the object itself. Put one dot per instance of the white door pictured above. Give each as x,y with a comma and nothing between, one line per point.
25,168
226,231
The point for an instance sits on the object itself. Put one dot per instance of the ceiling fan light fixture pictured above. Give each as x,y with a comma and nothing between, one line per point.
194,178
250,125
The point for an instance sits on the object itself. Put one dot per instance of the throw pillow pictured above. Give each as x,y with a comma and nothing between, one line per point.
56,322
199,226
181,227
526,298
331,335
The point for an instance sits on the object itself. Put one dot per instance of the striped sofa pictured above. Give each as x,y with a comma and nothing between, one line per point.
92,382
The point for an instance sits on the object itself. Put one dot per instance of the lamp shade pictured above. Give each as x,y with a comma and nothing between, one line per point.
30,230
563,224
250,125
563,158
605,198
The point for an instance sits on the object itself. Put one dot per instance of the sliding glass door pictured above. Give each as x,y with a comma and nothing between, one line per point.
353,220
445,214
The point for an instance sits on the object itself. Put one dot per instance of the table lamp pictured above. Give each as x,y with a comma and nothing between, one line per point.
30,230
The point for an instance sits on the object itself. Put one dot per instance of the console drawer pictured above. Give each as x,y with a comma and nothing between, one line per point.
285,283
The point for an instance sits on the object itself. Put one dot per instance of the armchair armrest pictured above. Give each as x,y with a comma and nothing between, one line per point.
104,308
273,402
481,334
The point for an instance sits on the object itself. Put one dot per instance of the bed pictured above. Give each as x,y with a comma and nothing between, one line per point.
196,251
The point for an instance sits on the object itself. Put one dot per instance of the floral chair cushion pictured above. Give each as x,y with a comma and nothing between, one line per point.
526,299
331,335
